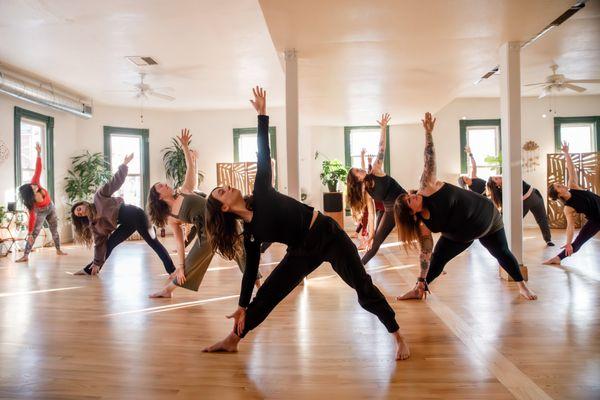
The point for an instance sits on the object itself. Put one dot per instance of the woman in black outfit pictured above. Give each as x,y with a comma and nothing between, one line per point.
312,238
460,215
472,182
532,201
363,188
576,200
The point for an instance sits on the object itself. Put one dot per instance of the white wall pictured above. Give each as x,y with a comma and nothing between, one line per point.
212,136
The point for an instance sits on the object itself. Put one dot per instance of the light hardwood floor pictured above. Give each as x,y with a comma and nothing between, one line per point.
72,337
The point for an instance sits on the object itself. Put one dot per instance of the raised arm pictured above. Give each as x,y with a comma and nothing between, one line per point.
429,178
191,177
38,165
383,123
473,163
572,182
362,159
117,180
264,174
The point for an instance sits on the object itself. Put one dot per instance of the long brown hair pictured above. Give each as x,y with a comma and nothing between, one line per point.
407,223
158,209
27,195
224,228
553,193
355,194
83,230
495,192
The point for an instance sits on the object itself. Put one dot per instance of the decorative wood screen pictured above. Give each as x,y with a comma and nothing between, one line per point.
587,167
239,175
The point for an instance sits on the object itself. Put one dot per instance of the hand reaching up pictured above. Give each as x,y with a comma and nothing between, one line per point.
565,147
428,122
185,138
385,120
128,158
260,100
38,149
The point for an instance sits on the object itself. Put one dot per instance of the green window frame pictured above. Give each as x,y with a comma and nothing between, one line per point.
145,151
466,123
594,120
348,159
238,132
19,114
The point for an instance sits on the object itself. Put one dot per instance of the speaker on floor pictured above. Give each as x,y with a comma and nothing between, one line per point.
333,202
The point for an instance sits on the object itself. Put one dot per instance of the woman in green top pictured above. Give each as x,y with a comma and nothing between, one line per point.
168,206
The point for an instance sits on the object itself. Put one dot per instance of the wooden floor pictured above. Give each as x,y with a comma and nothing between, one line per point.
72,337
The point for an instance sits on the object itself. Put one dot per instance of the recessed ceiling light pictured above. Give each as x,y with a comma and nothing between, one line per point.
464,118
141,61
544,115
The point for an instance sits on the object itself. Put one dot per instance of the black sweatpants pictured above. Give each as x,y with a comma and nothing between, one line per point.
588,230
131,219
535,204
326,241
496,243
384,227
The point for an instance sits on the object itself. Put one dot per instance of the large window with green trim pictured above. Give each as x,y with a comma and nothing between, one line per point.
582,133
483,137
31,128
119,142
245,146
357,138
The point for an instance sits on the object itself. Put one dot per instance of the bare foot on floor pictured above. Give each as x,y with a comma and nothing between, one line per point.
227,345
552,261
22,259
81,272
402,350
527,293
61,253
415,293
163,294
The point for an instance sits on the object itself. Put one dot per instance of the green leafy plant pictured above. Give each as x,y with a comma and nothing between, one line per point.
175,166
332,172
88,172
2,214
494,162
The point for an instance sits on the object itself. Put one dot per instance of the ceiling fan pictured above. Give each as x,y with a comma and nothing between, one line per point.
558,82
144,91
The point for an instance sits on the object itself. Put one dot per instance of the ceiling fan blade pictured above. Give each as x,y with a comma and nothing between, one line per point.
576,88
536,84
161,96
545,92
121,91
582,81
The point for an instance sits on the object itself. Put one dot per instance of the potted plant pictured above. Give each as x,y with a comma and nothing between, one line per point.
88,172
175,167
332,173
496,162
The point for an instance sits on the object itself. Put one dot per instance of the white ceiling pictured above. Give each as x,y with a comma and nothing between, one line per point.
210,52
360,58
357,58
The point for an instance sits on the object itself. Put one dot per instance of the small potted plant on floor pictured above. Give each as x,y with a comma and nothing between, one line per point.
332,173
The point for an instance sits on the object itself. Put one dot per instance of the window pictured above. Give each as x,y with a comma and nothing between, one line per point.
31,128
357,138
580,132
121,141
245,146
483,136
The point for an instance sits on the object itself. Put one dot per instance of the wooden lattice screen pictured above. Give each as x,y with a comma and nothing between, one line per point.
239,175
587,167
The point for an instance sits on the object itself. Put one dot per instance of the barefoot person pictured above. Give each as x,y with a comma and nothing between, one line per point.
107,222
471,181
532,201
363,187
576,200
312,239
183,206
40,207
461,216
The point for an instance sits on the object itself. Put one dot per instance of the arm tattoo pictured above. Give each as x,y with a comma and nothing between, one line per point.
426,244
429,170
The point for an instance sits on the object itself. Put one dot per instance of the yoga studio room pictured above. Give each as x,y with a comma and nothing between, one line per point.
300,199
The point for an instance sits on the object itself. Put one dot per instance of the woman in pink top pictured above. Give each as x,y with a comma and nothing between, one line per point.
40,207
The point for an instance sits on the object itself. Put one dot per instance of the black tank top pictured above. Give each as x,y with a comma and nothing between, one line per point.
461,215
385,189
477,185
585,202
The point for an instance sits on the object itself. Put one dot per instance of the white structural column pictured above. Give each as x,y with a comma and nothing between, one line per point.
510,113
291,123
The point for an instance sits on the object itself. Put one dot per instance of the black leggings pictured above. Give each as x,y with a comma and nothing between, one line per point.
535,204
588,230
326,241
384,227
131,219
446,249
